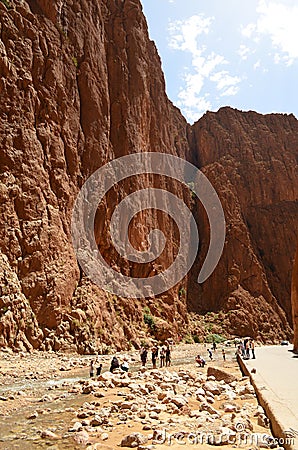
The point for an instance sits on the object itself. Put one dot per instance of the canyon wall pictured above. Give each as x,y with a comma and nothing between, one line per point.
251,159
81,84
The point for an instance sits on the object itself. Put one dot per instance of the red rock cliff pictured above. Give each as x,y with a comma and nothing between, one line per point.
81,84
251,159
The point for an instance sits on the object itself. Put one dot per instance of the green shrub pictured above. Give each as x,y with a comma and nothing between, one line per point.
188,339
75,61
182,291
6,3
149,320
213,337
208,327
196,339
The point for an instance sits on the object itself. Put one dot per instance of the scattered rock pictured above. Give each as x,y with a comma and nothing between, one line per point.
48,434
134,440
81,437
220,374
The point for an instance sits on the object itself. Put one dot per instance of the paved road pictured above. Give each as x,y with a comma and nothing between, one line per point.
277,377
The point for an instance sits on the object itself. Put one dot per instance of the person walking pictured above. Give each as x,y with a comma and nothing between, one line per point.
223,354
214,346
247,348
210,354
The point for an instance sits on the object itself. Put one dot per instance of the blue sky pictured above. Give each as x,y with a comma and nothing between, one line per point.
240,53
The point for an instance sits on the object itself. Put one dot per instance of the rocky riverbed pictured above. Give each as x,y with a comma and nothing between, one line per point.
49,401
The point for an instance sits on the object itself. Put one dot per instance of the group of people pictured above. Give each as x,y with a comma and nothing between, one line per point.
163,353
116,364
246,349
96,366
201,361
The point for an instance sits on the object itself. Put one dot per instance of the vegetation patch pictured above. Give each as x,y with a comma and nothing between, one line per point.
213,337
6,3
149,319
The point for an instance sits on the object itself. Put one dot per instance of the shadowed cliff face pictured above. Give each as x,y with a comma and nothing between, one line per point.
252,161
81,84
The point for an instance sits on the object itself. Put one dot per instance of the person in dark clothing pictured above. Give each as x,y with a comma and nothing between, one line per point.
98,370
214,346
114,364
210,354
91,372
252,347
223,354
162,357
144,355
168,356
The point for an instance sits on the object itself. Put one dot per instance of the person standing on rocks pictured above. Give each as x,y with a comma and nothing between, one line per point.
168,356
92,364
98,370
162,357
154,354
144,355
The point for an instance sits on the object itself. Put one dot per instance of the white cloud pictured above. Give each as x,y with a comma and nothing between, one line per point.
185,36
202,104
232,90
278,21
244,51
249,30
224,80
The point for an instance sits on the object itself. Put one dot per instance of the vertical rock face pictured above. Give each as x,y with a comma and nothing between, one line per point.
252,162
295,301
81,84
